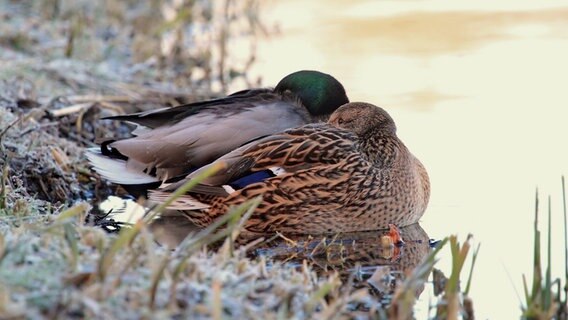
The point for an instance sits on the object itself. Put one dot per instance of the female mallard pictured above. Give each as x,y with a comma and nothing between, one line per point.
350,174
174,141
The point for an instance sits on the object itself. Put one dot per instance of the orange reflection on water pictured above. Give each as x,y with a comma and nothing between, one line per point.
433,33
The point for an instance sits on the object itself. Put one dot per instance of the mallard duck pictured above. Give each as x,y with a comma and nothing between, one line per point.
350,174
174,141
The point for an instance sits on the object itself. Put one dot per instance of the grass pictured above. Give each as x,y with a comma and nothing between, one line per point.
543,298
59,267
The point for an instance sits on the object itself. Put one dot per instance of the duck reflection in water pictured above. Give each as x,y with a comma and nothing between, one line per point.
358,253
361,255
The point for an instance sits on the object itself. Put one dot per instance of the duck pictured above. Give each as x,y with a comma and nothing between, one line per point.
169,143
350,174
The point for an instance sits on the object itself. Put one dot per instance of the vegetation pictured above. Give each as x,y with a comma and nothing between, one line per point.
543,299
65,64
57,266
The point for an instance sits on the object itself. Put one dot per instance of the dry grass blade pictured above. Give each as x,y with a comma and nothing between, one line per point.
76,108
8,308
72,212
60,157
20,119
184,189
156,277
135,256
124,238
237,223
216,301
210,235
127,235
405,296
3,184
451,294
321,293
2,247
78,99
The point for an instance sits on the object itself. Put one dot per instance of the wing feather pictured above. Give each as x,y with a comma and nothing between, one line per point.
294,149
203,137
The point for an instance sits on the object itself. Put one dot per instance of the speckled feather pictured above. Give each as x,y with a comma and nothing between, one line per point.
351,174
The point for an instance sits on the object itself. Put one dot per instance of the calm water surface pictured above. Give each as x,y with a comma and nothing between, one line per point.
479,93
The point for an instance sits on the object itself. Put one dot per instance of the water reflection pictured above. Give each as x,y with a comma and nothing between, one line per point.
427,34
363,260
171,229
360,258
345,253
341,252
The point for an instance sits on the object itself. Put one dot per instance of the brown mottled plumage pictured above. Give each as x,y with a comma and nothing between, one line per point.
351,174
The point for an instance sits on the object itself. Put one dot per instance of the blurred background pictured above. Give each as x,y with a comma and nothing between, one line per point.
478,90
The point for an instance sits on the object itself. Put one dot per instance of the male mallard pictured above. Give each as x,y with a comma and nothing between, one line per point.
350,174
174,141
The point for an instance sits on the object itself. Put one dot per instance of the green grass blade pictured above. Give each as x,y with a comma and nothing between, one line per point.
565,242
547,287
71,238
537,271
458,259
526,291
404,296
474,258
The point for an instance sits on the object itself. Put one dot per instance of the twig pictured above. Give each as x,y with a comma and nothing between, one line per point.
111,106
40,126
13,123
19,119
290,241
98,98
71,109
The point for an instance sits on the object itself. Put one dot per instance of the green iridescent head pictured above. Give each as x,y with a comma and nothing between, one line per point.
319,92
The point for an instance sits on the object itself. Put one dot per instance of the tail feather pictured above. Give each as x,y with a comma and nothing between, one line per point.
184,202
116,170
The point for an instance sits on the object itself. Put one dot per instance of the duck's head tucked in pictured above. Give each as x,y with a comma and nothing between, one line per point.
363,119
319,92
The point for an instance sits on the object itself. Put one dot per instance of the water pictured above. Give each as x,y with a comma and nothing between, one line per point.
478,91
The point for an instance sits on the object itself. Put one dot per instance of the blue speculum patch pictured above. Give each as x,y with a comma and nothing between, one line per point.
251,178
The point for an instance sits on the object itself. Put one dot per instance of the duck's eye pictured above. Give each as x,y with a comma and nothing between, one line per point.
340,121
